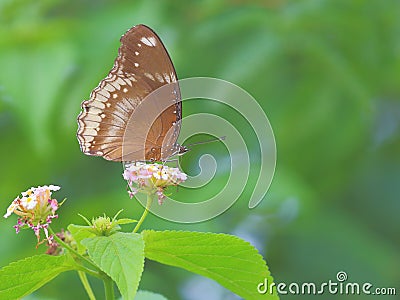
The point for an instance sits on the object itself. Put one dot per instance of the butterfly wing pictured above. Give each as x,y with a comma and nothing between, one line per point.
126,117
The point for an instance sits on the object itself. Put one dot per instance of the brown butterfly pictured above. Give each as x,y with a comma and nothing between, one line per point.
134,114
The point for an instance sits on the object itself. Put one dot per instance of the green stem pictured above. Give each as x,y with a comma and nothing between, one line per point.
145,213
108,288
86,285
81,268
65,245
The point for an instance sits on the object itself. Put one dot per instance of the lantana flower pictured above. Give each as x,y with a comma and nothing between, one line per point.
152,179
35,209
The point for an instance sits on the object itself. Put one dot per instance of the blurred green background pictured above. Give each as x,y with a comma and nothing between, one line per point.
327,74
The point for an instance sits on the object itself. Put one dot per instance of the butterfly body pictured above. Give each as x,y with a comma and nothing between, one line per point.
134,113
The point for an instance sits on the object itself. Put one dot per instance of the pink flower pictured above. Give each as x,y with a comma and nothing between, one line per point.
35,209
152,178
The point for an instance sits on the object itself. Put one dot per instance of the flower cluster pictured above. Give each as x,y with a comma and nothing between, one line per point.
35,209
152,178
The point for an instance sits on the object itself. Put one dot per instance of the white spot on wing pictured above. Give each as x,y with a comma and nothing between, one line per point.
136,65
90,131
91,124
167,79
101,98
109,87
105,93
148,75
98,104
94,110
120,81
150,41
159,77
129,80
95,118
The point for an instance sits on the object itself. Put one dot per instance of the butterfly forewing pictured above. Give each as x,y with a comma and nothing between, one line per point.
128,118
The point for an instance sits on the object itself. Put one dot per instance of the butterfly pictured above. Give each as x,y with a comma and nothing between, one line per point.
135,112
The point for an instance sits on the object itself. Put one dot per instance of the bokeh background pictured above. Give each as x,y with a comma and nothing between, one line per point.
327,74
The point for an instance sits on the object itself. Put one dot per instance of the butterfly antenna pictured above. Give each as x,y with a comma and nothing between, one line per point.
222,138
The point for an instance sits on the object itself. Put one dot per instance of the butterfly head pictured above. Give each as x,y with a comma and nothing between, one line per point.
182,150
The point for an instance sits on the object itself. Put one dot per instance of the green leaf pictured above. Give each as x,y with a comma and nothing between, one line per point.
145,295
126,221
23,277
232,262
121,256
79,233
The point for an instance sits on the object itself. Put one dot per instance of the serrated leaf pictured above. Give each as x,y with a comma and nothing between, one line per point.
79,233
121,256
146,295
232,262
23,277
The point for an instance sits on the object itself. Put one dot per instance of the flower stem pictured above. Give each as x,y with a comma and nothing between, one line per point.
82,270
145,213
108,288
86,285
65,245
